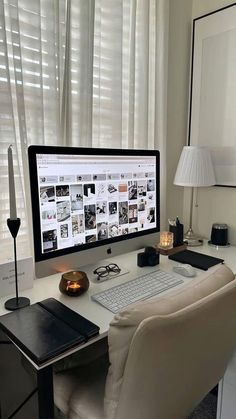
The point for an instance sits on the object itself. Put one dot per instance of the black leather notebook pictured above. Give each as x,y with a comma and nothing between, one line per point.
197,260
47,329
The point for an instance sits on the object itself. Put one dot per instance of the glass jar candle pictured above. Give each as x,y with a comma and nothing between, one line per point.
74,283
166,240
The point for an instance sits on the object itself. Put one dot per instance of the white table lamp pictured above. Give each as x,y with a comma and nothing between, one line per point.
194,170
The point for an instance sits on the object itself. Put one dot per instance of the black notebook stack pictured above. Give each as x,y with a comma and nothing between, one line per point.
47,329
197,260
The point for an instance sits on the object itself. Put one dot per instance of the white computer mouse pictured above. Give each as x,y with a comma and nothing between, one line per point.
185,269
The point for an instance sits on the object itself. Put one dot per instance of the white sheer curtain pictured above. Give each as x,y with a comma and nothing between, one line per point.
81,73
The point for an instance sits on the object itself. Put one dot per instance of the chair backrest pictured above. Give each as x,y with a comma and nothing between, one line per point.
174,360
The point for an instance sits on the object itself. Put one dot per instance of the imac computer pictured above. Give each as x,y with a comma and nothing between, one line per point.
89,204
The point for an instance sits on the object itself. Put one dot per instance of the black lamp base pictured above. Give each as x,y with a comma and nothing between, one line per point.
13,304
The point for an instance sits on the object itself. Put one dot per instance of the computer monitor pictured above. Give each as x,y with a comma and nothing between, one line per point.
89,204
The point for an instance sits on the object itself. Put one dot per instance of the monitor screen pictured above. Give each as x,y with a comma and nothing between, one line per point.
84,198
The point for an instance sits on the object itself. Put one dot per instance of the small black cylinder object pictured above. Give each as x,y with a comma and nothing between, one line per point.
178,232
219,234
149,257
141,259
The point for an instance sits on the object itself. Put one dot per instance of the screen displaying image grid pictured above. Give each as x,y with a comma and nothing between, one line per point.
85,199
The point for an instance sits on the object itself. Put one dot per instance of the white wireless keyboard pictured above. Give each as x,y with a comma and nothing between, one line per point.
141,288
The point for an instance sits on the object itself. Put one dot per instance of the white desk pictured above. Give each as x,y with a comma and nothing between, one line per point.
49,287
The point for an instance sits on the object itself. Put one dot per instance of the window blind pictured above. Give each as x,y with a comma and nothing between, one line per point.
72,72
31,35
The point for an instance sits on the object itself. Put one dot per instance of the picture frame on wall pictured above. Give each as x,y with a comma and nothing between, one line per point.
212,105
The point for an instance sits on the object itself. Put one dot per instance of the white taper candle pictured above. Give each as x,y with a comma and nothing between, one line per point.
12,195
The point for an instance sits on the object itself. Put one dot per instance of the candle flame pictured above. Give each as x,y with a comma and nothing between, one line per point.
72,285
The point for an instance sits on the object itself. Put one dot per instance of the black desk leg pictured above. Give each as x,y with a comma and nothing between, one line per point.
45,393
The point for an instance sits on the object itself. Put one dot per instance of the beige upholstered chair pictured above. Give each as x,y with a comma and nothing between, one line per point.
165,355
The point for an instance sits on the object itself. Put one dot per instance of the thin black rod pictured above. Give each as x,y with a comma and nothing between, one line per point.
16,277
23,403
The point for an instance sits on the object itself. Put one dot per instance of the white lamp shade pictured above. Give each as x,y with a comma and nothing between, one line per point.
195,168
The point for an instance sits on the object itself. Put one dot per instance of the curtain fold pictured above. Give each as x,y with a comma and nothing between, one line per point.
160,98
82,73
65,116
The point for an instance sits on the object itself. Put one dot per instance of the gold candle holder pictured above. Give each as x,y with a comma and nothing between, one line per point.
166,240
74,283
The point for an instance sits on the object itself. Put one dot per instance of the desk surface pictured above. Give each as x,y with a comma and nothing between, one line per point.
49,286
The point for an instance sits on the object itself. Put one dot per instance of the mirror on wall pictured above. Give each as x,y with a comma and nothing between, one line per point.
212,114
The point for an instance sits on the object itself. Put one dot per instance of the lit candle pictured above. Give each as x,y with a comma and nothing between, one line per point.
74,283
12,195
73,286
166,240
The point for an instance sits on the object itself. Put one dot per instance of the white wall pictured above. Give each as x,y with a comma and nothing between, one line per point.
216,204
201,7
180,19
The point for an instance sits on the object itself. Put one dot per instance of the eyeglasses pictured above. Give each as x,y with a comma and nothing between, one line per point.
109,270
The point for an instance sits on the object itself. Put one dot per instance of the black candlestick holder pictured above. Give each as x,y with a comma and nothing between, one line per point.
17,302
